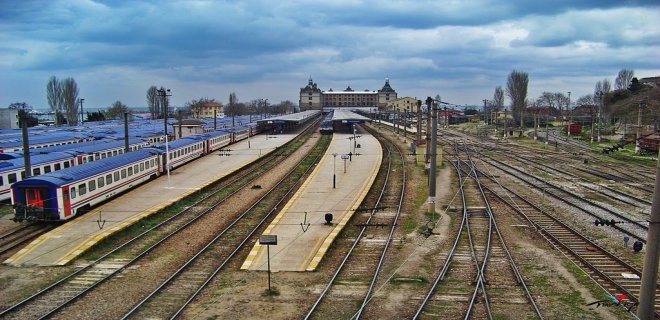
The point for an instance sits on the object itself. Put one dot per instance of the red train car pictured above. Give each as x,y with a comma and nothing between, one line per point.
573,128
650,142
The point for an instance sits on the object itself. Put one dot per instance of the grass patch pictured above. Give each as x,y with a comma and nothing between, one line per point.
271,293
416,280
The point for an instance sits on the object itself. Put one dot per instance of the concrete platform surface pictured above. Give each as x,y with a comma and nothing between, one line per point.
62,244
302,235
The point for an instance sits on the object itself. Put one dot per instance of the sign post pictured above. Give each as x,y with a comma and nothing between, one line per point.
268,240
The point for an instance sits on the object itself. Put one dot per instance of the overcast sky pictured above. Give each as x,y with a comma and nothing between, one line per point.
458,49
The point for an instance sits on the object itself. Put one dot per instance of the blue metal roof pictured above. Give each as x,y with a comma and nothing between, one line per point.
36,159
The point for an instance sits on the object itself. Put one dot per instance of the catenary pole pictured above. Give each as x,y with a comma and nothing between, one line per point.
650,272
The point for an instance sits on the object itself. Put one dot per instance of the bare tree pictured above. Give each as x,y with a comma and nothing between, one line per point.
516,89
70,100
623,79
153,101
54,96
498,98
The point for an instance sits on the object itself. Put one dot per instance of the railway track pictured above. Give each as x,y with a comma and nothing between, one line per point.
478,261
64,292
360,268
11,241
605,268
173,295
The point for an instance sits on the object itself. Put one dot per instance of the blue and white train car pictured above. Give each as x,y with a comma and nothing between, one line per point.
60,195
13,170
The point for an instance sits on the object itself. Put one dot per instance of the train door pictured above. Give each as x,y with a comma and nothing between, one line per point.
33,197
66,202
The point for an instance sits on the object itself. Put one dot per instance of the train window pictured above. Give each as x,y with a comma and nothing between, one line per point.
47,169
36,171
116,176
97,156
73,192
2,181
123,173
153,163
130,171
114,153
103,156
82,189
142,165
92,185
66,164
101,182
90,158
136,168
23,175
108,179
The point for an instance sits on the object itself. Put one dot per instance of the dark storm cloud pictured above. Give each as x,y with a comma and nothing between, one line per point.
278,44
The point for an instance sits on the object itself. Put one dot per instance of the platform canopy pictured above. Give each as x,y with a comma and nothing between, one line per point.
292,118
345,116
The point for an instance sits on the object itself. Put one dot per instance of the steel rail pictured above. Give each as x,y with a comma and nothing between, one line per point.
450,255
213,241
391,234
343,263
69,277
512,262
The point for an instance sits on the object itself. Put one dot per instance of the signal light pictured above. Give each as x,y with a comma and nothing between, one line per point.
637,246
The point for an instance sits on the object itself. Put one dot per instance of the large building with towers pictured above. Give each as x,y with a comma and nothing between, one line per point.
313,98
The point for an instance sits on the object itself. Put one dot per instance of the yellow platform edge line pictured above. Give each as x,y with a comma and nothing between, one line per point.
254,252
313,264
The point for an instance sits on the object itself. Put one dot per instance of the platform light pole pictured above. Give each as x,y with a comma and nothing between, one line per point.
334,170
164,94
82,115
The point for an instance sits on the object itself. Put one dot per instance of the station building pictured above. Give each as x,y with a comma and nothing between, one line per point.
313,98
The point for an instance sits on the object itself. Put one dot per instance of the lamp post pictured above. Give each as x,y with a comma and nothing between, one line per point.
82,115
334,170
164,94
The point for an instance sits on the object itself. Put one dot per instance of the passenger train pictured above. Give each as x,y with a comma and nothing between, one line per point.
61,195
55,158
326,125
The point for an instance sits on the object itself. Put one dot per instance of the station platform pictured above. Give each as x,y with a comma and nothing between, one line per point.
63,244
303,238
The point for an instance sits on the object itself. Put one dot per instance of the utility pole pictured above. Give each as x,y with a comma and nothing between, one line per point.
650,270
180,123
26,143
82,115
485,112
126,148
419,123
164,94
600,108
434,147
638,148
429,105
570,111
547,119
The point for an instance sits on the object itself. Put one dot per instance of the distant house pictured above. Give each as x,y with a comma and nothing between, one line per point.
206,110
652,81
187,127
9,118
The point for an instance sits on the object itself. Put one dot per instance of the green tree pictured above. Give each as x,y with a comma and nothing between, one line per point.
516,89
116,110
